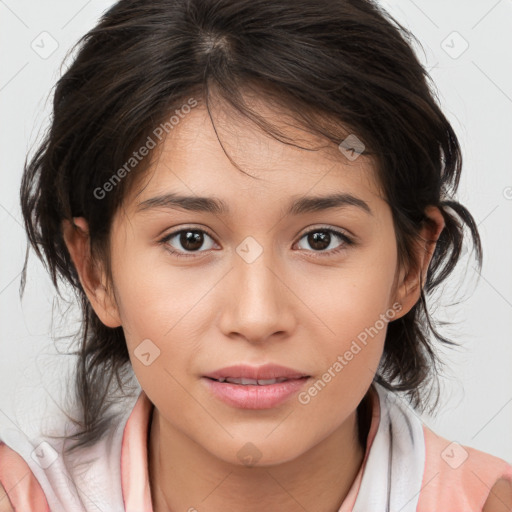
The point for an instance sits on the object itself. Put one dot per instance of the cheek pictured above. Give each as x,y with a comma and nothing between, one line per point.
355,310
155,310
354,303
153,295
160,307
354,296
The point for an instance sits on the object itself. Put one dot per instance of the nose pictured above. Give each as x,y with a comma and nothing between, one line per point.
258,304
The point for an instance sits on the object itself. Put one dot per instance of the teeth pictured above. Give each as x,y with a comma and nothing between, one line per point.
266,382
252,382
244,381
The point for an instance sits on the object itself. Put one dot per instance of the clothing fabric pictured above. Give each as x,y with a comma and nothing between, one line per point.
406,467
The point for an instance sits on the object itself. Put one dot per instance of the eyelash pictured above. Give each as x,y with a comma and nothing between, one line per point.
347,241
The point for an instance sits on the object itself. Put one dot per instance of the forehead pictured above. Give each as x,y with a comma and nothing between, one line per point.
199,156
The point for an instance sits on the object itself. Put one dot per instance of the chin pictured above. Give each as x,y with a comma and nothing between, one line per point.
264,453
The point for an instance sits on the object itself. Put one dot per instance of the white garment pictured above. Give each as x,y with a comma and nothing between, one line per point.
88,480
394,470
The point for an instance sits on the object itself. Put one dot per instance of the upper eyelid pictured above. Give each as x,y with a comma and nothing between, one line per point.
337,232
327,228
307,230
186,228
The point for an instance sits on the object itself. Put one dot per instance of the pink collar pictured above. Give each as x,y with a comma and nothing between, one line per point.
134,458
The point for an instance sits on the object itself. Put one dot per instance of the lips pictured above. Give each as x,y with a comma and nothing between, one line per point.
248,387
254,382
255,387
255,375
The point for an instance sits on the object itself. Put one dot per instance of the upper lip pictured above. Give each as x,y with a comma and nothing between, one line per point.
267,371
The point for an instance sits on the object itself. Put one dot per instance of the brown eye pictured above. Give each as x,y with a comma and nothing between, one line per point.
191,240
319,240
187,240
325,240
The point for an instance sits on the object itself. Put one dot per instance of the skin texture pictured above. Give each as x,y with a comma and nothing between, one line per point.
294,305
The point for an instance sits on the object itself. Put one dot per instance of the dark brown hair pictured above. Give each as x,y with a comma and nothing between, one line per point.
338,66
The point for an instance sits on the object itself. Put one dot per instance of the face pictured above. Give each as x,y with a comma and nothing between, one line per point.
266,279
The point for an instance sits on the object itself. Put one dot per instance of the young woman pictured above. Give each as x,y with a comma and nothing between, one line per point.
252,200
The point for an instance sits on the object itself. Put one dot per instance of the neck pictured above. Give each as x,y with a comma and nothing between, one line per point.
184,476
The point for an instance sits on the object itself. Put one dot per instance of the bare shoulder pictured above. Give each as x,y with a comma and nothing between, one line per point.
500,497
5,504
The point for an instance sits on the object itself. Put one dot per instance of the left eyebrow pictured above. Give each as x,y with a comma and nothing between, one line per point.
217,206
320,203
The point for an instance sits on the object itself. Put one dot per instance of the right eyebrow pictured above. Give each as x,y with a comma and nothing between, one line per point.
191,203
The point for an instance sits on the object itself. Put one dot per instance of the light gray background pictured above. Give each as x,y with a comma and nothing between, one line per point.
475,90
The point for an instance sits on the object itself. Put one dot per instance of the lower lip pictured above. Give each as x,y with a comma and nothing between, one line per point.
255,396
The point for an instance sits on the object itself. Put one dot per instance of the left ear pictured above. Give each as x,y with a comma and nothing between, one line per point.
411,280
